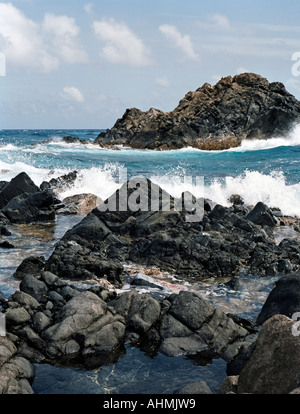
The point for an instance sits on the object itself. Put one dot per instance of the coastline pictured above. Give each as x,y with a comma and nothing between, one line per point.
149,322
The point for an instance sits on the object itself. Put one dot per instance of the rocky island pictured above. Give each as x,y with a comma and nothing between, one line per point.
211,118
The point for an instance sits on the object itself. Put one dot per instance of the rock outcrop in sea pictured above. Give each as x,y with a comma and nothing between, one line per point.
211,118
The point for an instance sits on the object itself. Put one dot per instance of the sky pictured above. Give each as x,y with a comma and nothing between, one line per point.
72,64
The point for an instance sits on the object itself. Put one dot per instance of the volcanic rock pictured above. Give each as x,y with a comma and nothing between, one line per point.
274,364
284,299
211,118
20,184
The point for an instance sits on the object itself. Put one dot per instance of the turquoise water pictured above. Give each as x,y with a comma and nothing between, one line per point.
265,170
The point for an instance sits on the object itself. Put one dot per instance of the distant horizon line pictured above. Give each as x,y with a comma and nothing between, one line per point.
53,129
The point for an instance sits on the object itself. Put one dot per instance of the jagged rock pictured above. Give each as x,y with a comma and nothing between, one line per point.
71,140
262,215
16,373
74,140
192,325
164,238
73,261
31,265
140,311
88,321
211,118
4,231
31,208
6,245
20,184
229,385
284,298
62,183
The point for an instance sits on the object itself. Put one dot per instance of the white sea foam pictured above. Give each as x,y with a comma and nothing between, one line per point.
291,140
254,144
38,175
102,182
253,186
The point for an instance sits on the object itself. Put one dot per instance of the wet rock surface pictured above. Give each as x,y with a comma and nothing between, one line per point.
222,242
51,318
21,201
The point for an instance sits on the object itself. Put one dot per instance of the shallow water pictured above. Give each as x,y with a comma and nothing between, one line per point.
30,240
134,373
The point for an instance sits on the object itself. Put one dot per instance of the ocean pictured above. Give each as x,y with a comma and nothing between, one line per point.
258,170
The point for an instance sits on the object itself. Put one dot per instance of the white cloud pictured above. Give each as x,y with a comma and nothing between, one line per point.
39,47
221,21
64,38
88,7
21,41
71,93
122,45
163,81
183,42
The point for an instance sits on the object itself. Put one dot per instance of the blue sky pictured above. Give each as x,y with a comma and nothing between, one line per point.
80,64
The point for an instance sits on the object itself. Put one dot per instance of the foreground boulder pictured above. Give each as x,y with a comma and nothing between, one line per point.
16,372
284,299
85,322
31,208
274,367
211,118
20,184
192,325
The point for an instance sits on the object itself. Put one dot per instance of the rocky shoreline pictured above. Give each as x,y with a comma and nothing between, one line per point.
49,319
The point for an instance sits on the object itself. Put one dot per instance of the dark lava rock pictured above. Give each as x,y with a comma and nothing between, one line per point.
20,184
284,299
6,245
4,231
262,215
32,265
31,208
34,287
114,233
61,183
211,118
